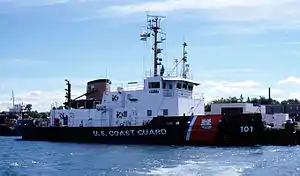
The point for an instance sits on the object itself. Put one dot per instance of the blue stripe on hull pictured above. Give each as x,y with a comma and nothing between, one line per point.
189,127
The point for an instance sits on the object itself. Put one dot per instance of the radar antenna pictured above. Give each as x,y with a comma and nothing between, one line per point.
154,29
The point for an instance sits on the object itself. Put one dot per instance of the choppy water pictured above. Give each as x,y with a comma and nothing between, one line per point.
45,158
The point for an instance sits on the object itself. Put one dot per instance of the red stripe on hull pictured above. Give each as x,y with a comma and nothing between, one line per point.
205,128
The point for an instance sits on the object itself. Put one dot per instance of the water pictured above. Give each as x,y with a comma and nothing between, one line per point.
45,158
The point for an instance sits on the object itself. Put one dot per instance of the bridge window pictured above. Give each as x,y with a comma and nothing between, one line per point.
165,112
170,86
190,87
149,112
154,85
178,85
184,85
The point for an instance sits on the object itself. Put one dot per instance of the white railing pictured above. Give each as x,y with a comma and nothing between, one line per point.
56,105
198,96
168,72
127,87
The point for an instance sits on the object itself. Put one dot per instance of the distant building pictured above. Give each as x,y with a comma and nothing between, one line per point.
292,109
236,108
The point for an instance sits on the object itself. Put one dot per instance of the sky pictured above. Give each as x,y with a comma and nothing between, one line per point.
234,46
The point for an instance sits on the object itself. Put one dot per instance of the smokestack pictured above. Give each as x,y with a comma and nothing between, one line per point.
269,95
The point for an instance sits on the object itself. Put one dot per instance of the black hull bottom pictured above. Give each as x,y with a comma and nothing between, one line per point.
106,135
155,136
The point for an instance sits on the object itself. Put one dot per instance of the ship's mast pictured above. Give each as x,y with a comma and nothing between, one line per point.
154,28
13,98
184,60
68,95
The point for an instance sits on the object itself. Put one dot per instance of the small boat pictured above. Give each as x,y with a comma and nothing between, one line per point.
163,111
17,115
7,127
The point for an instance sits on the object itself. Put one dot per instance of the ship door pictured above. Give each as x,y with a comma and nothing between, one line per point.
232,111
56,122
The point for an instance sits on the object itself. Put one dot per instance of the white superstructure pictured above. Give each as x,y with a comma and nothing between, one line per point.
161,96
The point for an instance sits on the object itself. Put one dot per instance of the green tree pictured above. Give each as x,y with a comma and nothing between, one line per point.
28,107
290,101
44,115
248,100
241,98
207,107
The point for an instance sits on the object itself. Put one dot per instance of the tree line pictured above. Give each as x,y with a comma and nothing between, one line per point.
35,114
261,100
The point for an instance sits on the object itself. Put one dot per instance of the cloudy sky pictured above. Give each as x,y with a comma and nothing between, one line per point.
235,46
